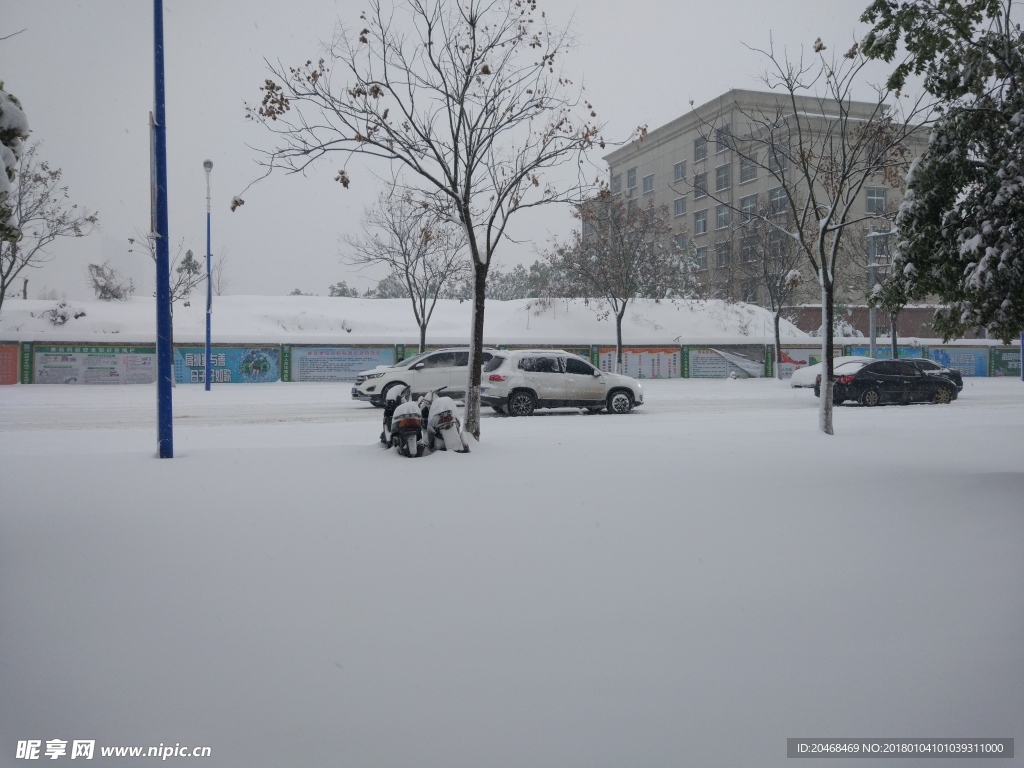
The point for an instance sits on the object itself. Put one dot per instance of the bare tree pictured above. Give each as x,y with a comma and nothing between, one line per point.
186,273
421,248
43,212
465,96
770,264
822,149
622,252
109,284
218,273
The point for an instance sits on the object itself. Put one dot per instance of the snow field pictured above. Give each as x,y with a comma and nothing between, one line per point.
686,585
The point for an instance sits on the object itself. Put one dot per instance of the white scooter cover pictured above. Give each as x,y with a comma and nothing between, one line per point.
452,435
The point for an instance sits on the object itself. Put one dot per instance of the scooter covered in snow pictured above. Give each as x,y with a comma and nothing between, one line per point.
427,425
444,432
403,424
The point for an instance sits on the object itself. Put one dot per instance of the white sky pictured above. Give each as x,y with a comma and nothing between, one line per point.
84,74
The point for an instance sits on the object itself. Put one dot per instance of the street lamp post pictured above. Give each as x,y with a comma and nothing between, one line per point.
208,166
873,248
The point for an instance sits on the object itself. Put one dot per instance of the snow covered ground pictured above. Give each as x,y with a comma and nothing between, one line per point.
690,584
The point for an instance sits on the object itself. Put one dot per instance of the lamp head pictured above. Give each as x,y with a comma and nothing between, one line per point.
208,165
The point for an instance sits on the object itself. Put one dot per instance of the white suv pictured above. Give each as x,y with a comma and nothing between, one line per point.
520,381
423,372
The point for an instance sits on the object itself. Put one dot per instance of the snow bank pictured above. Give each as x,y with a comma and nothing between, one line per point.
314,319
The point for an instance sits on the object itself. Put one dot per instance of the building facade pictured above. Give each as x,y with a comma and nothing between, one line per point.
716,174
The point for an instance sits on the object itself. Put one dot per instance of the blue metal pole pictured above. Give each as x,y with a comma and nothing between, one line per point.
208,165
164,353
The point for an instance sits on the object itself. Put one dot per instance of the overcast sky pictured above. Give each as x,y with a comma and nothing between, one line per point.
84,74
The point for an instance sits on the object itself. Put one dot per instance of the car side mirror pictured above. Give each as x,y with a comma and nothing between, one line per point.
596,372
416,367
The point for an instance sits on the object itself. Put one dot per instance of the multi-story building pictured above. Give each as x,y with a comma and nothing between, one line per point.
715,172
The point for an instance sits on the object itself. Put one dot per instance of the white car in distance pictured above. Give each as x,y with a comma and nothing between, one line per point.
422,373
520,381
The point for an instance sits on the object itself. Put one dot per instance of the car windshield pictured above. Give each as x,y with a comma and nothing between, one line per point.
851,367
410,360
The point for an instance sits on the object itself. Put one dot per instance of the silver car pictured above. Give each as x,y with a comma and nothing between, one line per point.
520,381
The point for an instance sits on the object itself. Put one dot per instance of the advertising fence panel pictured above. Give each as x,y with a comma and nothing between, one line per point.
715,363
970,361
301,363
883,352
641,362
230,365
9,354
1004,361
93,364
797,357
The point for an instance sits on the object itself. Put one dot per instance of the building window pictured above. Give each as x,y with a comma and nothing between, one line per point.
722,217
723,139
750,290
748,208
700,259
680,242
631,178
748,249
648,184
630,206
700,223
700,185
700,149
723,254
679,171
679,206
616,183
778,158
748,169
650,216
723,177
876,199
777,200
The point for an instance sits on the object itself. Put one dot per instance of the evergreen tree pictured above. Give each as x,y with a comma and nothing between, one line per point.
341,290
959,229
13,132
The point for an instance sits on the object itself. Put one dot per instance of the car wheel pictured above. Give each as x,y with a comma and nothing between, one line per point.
521,403
620,402
497,409
942,396
870,398
384,392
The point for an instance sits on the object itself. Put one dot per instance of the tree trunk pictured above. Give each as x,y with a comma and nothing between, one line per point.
893,316
618,341
825,406
778,347
476,350
423,337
